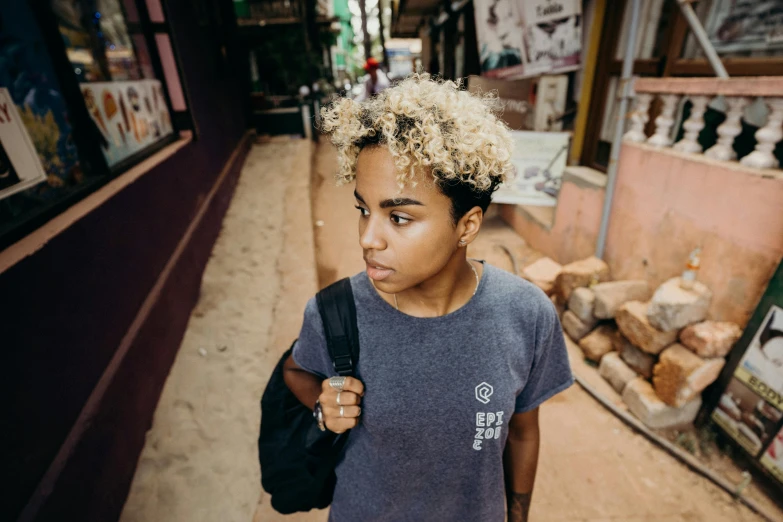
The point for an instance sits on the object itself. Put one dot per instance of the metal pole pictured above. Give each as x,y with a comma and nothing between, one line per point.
625,89
702,38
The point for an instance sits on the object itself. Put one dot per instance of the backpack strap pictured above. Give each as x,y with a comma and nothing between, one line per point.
338,314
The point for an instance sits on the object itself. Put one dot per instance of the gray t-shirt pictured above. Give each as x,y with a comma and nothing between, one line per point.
439,393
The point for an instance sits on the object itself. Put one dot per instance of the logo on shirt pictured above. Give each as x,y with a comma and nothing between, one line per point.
484,392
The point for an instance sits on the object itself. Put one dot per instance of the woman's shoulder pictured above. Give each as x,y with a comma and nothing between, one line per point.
516,292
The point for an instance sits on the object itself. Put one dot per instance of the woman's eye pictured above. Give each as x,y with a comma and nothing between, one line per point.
399,220
363,211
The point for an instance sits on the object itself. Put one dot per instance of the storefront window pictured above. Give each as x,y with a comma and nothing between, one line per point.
39,163
748,28
124,99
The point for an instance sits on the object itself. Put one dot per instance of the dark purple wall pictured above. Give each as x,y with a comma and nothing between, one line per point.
65,309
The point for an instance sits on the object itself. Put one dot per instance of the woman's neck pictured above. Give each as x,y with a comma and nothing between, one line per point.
446,292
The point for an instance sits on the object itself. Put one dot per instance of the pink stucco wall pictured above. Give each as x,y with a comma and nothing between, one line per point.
577,217
666,203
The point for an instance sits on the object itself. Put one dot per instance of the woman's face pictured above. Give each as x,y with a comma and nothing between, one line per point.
407,235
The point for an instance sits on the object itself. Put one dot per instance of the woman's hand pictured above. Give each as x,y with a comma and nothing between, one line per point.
347,402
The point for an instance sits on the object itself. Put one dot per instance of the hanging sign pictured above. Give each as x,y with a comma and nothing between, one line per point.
129,115
20,166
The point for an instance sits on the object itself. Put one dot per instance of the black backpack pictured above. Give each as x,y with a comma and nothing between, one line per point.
297,459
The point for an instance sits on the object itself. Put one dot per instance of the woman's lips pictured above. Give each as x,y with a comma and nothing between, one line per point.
378,273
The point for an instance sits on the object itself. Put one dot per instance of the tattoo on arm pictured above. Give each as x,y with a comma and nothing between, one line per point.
518,506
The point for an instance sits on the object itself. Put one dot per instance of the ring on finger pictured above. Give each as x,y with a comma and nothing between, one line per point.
338,383
338,398
342,411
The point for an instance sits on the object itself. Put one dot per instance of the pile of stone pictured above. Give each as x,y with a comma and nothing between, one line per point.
656,349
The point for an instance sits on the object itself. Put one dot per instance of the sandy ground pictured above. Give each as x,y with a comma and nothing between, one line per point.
200,463
200,460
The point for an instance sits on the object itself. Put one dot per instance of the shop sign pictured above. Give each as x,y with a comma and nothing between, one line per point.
130,115
539,160
20,166
525,38
751,408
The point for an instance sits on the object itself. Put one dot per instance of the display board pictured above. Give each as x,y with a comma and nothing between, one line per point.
20,166
750,408
130,115
539,160
525,38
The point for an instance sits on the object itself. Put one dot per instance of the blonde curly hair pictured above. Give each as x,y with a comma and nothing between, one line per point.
429,124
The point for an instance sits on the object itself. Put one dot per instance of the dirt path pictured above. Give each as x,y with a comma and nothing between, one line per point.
200,460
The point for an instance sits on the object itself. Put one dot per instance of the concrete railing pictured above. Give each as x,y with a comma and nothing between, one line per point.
738,94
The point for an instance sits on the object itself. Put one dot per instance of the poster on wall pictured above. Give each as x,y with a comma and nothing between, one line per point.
20,167
539,160
524,38
130,115
751,408
750,25
772,459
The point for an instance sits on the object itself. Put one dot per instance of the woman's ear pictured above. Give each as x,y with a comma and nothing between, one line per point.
469,225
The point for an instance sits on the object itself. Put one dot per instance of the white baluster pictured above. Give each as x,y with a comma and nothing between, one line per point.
693,126
728,130
767,137
639,118
664,122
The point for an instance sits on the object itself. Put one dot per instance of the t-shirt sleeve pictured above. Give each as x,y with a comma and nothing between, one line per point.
551,372
310,351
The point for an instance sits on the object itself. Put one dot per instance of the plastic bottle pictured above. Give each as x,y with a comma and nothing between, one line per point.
691,269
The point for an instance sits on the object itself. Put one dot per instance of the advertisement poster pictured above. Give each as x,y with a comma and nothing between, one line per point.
751,408
129,115
524,38
773,457
750,25
20,167
539,160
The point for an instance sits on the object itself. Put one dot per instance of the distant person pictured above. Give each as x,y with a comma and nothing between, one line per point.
378,80
456,355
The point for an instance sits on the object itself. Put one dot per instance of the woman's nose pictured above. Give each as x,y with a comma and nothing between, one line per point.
370,235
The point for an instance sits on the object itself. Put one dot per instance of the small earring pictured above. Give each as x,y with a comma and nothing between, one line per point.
461,242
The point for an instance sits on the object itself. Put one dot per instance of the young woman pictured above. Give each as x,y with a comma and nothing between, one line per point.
456,355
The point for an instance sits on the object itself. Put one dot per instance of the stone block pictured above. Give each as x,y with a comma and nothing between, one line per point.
575,327
559,306
710,338
642,401
681,375
599,342
633,324
673,308
543,273
615,371
641,362
579,274
581,303
612,295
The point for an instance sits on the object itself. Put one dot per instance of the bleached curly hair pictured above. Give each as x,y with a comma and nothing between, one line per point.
432,124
